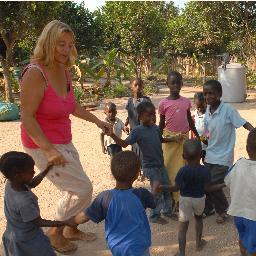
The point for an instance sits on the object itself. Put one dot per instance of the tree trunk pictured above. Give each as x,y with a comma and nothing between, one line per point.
7,80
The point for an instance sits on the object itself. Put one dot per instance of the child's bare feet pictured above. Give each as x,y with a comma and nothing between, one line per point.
158,220
201,245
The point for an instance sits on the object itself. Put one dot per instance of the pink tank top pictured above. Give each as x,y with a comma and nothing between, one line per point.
52,114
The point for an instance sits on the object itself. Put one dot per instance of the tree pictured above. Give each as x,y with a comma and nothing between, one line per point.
20,20
136,28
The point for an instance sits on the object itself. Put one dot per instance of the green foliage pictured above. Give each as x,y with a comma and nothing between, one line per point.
79,93
150,88
117,91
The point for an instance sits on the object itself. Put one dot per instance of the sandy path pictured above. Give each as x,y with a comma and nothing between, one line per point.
221,238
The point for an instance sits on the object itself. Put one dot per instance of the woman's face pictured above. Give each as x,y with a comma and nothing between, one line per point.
63,48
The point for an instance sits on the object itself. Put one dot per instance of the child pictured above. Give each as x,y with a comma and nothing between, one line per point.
241,180
109,145
148,137
132,120
175,119
192,180
221,120
199,116
23,235
123,208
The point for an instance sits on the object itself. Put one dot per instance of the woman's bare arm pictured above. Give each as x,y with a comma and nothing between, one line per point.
32,92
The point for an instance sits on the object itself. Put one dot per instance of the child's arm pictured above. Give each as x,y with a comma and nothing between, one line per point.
192,124
53,223
119,141
102,143
212,188
81,218
174,188
38,179
161,124
248,126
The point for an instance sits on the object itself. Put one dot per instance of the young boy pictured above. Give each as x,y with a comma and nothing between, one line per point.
221,121
241,180
192,180
108,145
123,208
147,136
136,86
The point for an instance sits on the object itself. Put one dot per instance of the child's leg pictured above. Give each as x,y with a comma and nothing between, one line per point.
183,228
153,175
200,243
167,201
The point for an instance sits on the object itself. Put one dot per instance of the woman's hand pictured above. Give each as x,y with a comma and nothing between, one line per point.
105,127
54,157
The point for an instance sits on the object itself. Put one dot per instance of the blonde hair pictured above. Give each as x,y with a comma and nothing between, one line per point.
46,44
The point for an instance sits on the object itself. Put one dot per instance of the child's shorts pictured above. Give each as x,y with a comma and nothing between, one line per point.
113,149
190,206
247,233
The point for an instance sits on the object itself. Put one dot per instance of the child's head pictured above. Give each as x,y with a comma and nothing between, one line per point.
174,82
147,113
212,92
137,87
251,144
125,166
110,110
192,150
200,101
17,166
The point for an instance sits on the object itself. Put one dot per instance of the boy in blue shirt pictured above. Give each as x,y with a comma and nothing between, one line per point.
192,180
123,209
147,136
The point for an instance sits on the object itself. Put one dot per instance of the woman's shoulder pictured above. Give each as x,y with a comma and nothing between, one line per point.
34,72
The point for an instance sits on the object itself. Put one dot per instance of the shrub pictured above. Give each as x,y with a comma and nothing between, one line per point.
117,91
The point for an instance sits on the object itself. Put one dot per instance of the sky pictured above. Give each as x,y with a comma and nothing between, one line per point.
94,4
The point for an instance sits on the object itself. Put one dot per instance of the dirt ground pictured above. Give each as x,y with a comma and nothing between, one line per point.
222,239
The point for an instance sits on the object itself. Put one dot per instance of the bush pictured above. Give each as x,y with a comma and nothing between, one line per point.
79,93
117,91
150,88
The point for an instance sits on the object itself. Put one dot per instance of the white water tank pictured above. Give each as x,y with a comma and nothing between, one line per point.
233,81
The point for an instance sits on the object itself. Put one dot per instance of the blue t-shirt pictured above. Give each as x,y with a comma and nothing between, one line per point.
191,180
149,141
126,224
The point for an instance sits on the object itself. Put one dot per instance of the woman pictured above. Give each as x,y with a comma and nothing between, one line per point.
47,100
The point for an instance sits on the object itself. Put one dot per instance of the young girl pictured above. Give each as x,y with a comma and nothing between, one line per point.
221,121
199,116
175,119
23,235
132,120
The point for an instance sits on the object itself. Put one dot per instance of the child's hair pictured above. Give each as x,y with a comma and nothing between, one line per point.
125,166
215,85
110,105
199,96
175,74
14,162
192,149
137,81
251,141
143,106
